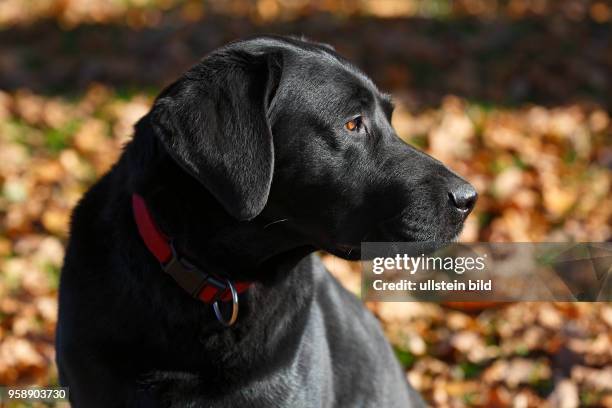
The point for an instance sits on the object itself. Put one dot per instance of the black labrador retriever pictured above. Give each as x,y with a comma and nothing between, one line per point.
264,152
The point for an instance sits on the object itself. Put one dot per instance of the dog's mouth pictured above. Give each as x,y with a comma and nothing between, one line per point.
397,229
405,227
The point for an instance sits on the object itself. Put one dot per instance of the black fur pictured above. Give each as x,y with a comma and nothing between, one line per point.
245,161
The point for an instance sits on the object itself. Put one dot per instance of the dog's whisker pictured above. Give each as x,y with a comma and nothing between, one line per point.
275,222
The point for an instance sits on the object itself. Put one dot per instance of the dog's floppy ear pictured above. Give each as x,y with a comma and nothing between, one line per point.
214,123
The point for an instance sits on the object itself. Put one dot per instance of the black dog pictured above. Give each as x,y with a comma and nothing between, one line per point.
264,152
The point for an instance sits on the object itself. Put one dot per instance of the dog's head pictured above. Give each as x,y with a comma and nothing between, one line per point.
283,129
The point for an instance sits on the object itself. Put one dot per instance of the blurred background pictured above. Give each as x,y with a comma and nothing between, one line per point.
515,95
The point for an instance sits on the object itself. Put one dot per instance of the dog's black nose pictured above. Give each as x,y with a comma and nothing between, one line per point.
463,196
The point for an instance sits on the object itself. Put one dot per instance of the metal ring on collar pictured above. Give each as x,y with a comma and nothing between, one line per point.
234,315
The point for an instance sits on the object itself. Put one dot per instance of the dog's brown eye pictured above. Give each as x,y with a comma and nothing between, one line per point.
353,124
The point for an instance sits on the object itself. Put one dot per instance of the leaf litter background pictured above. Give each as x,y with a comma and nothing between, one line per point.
514,95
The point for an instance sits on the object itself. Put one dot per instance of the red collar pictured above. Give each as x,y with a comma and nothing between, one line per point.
199,284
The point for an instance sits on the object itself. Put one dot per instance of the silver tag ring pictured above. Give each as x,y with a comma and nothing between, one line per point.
234,315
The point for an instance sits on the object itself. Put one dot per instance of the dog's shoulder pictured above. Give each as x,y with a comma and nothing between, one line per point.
341,308
352,330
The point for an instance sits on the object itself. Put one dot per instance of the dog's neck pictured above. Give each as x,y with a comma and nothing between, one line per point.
202,231
198,225
208,238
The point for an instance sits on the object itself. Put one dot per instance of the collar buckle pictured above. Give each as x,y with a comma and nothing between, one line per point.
188,276
200,285
193,280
